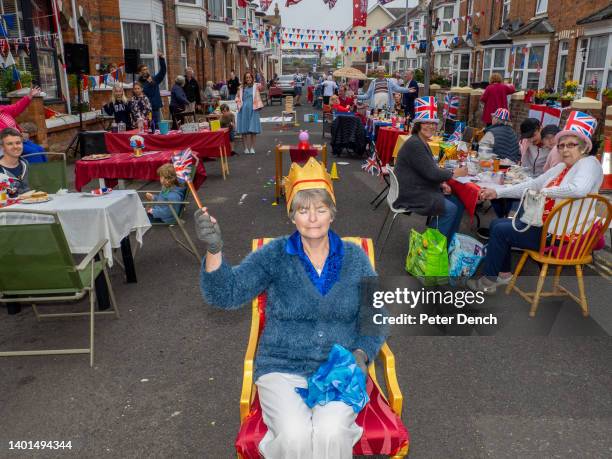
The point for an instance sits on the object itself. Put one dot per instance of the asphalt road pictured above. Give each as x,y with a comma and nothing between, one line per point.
168,373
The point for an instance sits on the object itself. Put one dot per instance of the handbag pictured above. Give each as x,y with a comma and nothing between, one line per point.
532,202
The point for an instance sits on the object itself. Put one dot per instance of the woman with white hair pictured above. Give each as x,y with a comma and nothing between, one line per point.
578,175
178,99
380,92
329,88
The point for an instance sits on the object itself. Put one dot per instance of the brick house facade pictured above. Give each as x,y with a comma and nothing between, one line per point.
547,37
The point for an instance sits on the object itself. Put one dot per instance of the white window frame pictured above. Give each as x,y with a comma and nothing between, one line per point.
541,7
416,30
443,71
153,29
183,53
457,71
491,68
191,3
445,21
580,69
561,52
222,9
506,10
526,70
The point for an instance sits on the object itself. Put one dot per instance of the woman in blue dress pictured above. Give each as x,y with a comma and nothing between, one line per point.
249,103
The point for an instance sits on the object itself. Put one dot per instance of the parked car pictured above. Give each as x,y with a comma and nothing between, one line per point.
285,82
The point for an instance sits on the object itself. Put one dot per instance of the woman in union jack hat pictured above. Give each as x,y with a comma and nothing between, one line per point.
422,184
578,175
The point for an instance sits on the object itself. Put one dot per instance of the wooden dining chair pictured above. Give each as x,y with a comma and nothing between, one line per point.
571,246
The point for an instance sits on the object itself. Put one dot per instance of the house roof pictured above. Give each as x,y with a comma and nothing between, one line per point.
601,15
397,12
535,27
401,19
500,37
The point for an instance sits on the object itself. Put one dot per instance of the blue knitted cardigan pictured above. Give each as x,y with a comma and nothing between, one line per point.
301,324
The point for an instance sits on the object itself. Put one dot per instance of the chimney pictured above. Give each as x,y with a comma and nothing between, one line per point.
276,11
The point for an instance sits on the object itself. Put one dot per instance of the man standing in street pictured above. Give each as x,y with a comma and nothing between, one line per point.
298,81
192,89
232,85
150,86
411,96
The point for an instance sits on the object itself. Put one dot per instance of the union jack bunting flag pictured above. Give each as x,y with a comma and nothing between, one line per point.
451,106
581,122
370,165
183,163
457,135
426,109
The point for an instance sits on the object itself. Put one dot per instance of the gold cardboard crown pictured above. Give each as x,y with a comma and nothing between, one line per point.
312,176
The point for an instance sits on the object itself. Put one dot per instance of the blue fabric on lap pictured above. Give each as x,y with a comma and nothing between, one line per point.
338,379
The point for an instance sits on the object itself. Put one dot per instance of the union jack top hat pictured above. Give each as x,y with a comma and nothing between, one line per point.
426,110
581,125
502,113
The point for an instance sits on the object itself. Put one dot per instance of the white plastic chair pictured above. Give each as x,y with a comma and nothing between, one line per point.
391,198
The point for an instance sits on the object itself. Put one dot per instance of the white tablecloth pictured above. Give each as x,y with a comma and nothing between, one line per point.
87,220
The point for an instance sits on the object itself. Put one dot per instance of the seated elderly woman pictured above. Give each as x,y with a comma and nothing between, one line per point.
501,137
422,184
576,176
312,280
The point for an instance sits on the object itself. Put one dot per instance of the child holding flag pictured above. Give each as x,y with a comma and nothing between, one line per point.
171,191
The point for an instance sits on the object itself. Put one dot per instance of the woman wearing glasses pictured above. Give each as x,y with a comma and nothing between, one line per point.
576,176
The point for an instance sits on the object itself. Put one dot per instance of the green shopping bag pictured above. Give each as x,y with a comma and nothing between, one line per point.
427,257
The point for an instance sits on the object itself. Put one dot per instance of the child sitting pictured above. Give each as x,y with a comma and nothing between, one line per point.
334,101
228,121
171,191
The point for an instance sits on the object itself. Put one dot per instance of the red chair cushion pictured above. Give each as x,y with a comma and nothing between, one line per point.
301,156
383,431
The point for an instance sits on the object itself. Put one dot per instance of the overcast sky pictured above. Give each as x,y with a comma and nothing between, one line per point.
316,15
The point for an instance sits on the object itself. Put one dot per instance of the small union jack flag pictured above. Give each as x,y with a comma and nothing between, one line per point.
457,135
183,164
370,165
426,109
581,122
451,106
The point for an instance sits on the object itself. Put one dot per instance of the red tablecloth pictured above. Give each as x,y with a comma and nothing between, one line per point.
385,143
205,144
467,193
126,166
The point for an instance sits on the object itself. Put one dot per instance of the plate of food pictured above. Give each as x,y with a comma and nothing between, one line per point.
98,192
34,197
96,157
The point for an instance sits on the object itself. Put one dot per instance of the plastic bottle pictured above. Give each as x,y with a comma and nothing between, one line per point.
121,127
114,127
140,124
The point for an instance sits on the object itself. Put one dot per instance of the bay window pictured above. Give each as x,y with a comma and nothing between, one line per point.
530,67
445,14
216,8
495,61
461,69
443,64
597,58
41,62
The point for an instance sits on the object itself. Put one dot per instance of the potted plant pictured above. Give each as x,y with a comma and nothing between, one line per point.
571,86
607,96
552,97
540,96
566,99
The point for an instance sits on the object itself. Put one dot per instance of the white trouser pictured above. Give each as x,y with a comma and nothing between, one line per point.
381,99
298,432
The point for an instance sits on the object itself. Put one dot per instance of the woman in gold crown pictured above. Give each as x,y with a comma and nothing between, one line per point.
312,281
